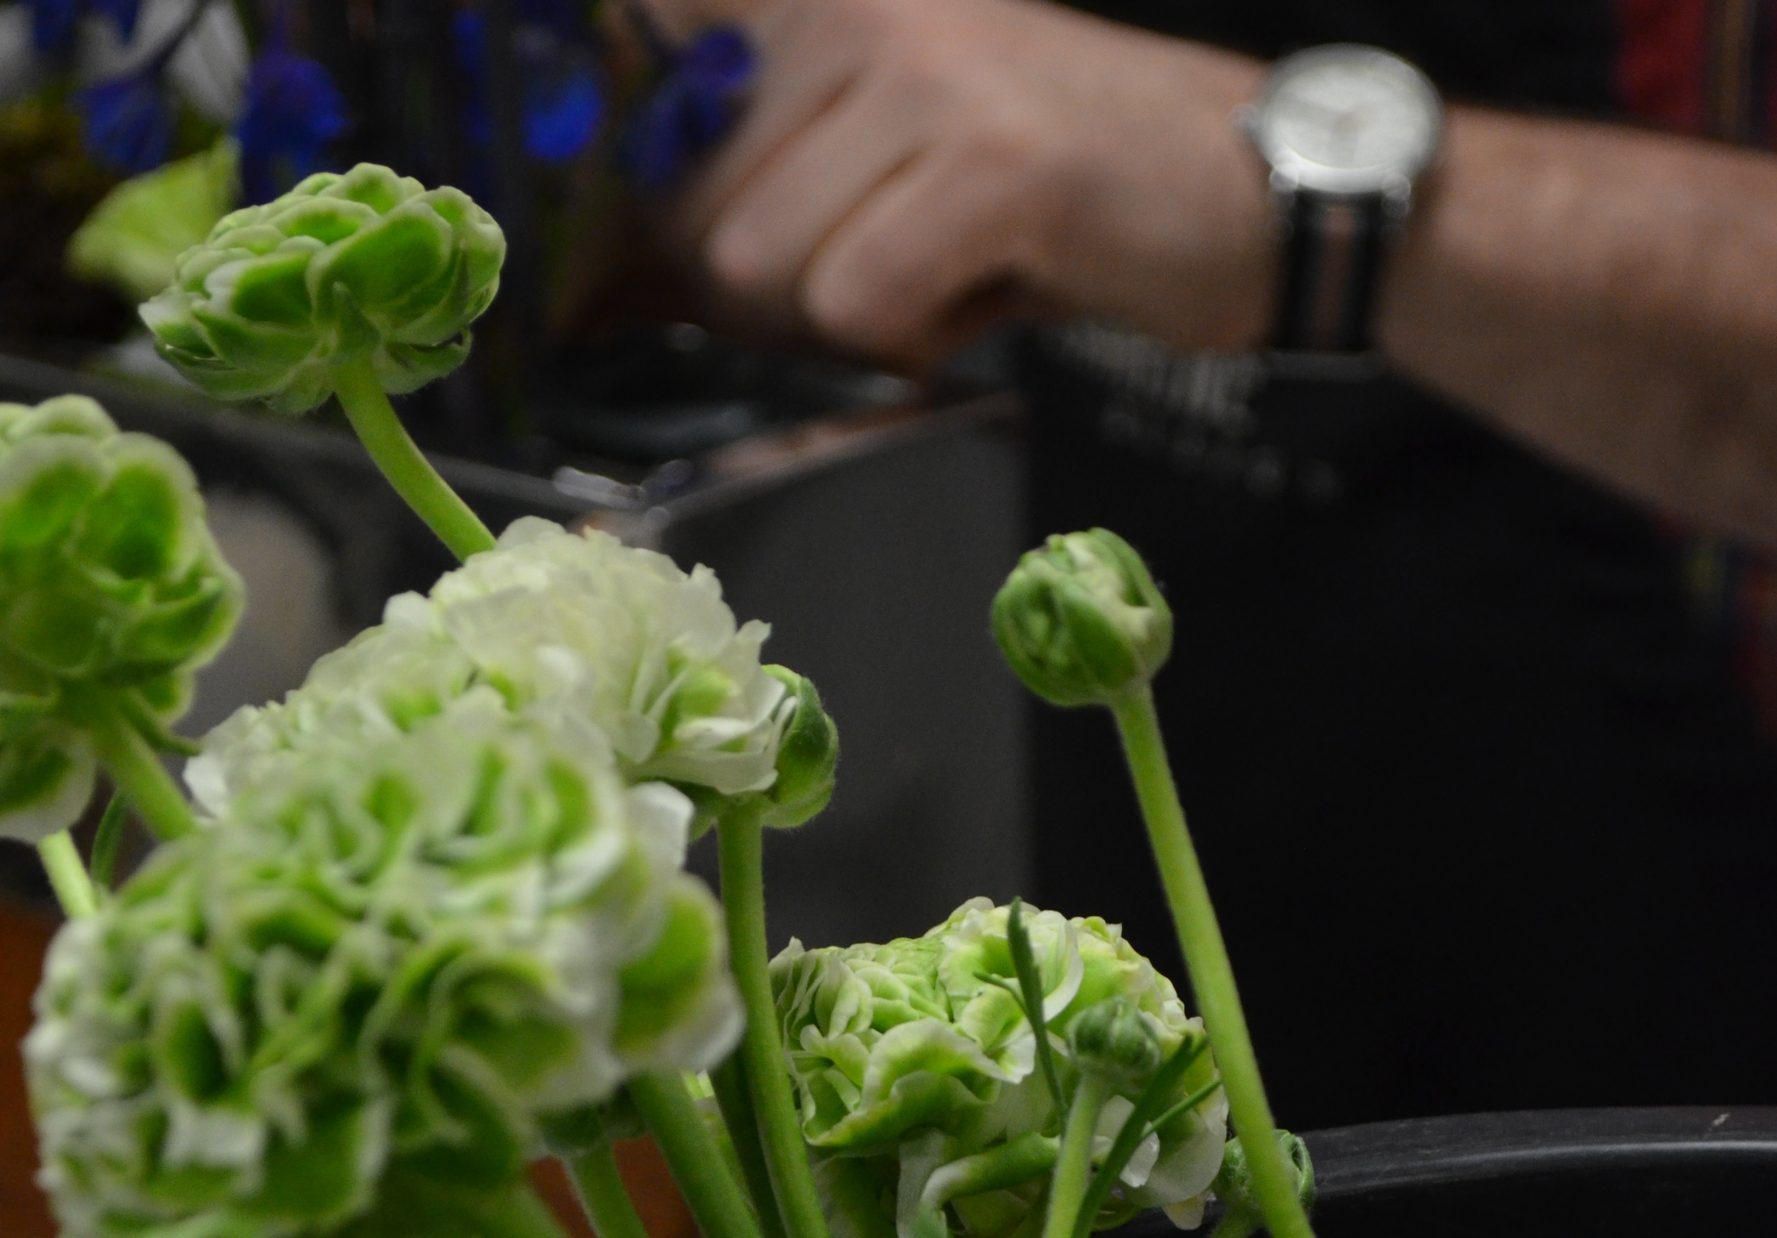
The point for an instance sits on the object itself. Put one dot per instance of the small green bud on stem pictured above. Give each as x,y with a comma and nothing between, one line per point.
807,755
1081,621
1113,1040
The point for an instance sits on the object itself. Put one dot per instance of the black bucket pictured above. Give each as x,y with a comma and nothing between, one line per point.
1584,1173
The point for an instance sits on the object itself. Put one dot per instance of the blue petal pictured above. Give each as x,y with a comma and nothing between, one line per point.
53,23
293,110
564,103
562,116
123,14
720,59
692,109
128,123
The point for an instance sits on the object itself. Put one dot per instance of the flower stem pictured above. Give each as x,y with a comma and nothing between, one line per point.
135,768
602,1193
715,1198
517,1213
741,847
67,875
1073,1166
730,1083
367,407
107,841
1238,1223
1200,937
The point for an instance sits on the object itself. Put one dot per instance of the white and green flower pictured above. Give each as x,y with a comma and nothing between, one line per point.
912,1056
567,629
114,594
384,964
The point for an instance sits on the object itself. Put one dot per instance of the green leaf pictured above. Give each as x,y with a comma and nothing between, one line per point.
1030,985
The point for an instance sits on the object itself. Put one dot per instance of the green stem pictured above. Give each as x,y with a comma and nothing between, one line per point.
1238,1223
367,407
136,770
107,841
601,1190
517,1214
715,1198
1206,955
1073,1167
67,875
741,847
730,1083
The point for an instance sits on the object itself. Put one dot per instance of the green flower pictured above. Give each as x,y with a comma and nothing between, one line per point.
115,594
364,266
387,966
914,1058
1081,621
569,630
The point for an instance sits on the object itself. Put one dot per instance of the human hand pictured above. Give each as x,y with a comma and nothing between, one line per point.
908,170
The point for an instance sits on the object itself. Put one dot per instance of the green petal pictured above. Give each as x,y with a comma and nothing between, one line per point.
250,345
383,262
274,289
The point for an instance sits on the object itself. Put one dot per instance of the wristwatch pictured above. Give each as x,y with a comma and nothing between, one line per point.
1346,130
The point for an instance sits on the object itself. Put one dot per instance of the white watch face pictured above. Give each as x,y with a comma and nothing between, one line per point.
1347,119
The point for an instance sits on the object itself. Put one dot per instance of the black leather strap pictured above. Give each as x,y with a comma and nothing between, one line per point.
1332,264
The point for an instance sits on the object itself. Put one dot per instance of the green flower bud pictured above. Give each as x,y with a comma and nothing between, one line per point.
807,754
115,595
360,266
1234,1182
891,1044
394,962
1081,621
1112,1040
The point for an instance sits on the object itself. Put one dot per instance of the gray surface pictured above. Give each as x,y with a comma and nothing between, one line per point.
876,577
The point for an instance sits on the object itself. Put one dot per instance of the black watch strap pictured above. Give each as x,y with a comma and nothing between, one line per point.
1331,267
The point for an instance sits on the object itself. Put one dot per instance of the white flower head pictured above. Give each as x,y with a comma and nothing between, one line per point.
568,630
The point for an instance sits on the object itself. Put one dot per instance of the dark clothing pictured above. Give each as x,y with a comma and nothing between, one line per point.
1487,818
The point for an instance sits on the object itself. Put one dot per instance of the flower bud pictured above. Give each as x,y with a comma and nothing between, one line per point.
364,266
1234,1182
807,754
1112,1040
115,593
1081,621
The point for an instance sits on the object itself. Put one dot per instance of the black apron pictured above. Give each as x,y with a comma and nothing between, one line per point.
1486,819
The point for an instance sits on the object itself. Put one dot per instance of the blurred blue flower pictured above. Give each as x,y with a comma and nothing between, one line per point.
53,22
293,110
564,100
691,110
128,123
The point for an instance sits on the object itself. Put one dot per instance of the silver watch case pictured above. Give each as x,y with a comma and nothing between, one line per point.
1346,121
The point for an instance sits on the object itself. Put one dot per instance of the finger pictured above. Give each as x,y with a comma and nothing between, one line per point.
765,236
799,78
907,271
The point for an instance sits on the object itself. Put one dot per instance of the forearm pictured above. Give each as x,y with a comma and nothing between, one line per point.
1607,295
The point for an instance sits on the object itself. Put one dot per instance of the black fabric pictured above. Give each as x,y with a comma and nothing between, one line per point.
1487,821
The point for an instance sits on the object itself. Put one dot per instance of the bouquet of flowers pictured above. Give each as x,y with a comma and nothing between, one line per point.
426,919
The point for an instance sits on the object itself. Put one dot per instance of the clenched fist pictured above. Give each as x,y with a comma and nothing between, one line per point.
908,170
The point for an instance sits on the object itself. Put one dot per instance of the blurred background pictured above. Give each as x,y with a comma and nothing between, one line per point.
1505,737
